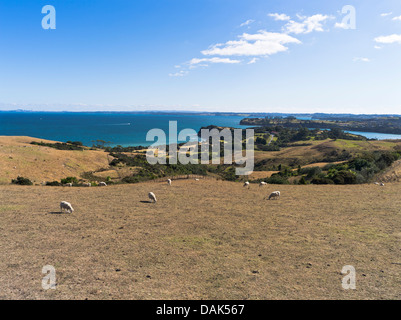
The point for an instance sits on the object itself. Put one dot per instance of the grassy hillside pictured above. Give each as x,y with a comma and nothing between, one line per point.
309,152
201,240
20,158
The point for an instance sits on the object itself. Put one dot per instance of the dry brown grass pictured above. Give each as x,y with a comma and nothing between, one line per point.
392,174
201,240
261,175
317,151
19,158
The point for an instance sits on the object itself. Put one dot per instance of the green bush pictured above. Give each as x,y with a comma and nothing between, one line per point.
302,181
22,181
277,179
311,172
72,180
61,146
53,184
322,181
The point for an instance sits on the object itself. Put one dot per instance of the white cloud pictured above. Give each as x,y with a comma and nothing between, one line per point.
341,25
377,47
258,45
307,25
279,17
254,60
247,23
361,59
386,14
394,38
182,73
262,43
202,61
397,18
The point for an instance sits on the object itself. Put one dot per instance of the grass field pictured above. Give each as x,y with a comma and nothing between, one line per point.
19,158
201,240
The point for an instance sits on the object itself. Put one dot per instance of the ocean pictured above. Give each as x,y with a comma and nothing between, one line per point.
377,135
125,129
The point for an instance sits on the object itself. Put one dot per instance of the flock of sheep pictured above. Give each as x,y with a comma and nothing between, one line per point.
66,206
88,184
273,195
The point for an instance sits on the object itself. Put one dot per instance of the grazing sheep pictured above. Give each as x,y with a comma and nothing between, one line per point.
88,184
196,179
382,184
275,195
68,185
66,206
152,197
102,184
262,184
246,184
169,182
376,183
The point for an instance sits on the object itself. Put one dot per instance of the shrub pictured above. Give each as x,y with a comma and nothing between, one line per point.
260,141
53,184
311,171
61,146
69,180
302,181
22,181
277,179
345,177
322,181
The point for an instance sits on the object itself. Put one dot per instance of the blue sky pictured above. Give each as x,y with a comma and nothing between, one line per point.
201,55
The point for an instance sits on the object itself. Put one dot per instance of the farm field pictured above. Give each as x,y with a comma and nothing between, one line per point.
202,240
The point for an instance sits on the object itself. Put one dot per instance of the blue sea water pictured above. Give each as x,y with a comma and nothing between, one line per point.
377,135
126,129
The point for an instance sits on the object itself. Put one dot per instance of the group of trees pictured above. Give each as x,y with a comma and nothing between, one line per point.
356,171
69,145
286,136
384,124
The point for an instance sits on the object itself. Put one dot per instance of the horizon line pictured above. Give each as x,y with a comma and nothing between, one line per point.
197,112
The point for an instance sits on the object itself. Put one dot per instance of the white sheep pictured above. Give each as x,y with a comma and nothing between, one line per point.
102,184
275,195
68,185
382,184
169,182
152,197
246,184
66,206
196,179
262,184
88,184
